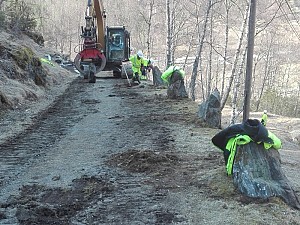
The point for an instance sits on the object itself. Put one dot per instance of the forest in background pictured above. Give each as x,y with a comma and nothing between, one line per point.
207,38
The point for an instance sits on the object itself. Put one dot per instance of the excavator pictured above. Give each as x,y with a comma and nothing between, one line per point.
102,47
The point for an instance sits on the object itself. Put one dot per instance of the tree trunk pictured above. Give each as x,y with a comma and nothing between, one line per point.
169,34
198,55
297,102
227,5
236,87
225,95
209,74
257,173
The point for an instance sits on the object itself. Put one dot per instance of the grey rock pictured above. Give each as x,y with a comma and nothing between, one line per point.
210,112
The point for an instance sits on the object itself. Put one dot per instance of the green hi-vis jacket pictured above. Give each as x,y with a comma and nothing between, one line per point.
146,62
245,139
168,73
136,64
43,60
264,119
241,134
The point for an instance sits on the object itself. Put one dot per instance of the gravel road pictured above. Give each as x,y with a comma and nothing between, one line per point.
106,153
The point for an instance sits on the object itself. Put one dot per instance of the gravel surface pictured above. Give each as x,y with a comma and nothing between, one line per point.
106,153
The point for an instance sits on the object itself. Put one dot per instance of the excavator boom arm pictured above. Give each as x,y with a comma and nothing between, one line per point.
100,16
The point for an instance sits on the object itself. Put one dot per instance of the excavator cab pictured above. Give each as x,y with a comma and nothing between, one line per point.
117,48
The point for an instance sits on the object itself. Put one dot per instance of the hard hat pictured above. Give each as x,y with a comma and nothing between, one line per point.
140,53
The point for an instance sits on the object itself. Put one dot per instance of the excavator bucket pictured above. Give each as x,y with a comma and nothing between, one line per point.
88,56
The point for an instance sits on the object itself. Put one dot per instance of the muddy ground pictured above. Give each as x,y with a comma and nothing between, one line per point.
106,153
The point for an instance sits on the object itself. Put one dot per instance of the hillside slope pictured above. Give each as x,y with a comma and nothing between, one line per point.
26,85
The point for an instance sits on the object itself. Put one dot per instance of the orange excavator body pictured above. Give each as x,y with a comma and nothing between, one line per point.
104,47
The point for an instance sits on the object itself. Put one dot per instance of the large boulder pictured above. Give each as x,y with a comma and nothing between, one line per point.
176,88
257,173
210,112
157,81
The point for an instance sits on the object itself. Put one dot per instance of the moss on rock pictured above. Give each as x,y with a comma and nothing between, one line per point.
28,61
23,57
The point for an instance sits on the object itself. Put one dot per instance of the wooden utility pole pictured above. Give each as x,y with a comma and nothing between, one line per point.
248,79
169,33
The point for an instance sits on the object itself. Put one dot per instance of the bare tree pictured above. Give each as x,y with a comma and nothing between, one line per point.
210,58
149,23
235,61
227,8
297,107
197,60
266,73
236,90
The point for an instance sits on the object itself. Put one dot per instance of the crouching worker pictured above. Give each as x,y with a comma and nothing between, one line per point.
173,77
137,64
146,67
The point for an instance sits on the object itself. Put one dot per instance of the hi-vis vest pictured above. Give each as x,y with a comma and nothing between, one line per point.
136,64
245,139
168,73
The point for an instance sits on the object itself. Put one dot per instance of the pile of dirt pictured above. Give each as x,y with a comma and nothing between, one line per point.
144,161
41,205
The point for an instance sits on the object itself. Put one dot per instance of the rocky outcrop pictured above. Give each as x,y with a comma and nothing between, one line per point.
157,81
210,112
257,173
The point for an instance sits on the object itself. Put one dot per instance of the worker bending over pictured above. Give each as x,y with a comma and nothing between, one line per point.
173,77
137,61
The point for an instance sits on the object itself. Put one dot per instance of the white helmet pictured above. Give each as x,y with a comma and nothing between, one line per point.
140,53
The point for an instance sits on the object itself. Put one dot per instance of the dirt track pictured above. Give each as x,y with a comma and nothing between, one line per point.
108,154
